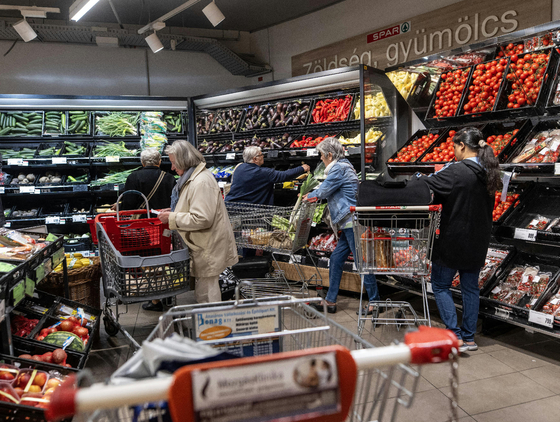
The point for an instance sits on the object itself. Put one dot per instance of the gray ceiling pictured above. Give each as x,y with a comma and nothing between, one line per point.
241,15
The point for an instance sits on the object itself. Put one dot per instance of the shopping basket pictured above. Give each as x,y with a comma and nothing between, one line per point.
395,240
281,231
322,372
135,278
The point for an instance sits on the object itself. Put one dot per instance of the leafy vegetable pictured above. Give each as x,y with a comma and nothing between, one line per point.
113,177
118,124
108,149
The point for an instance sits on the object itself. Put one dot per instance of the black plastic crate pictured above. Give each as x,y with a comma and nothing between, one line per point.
522,190
74,125
56,208
48,150
220,123
253,267
17,210
49,178
374,91
523,128
440,132
536,130
78,245
101,114
176,123
431,114
55,123
68,149
204,121
353,97
21,123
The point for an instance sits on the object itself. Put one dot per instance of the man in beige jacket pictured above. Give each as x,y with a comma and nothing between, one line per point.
199,215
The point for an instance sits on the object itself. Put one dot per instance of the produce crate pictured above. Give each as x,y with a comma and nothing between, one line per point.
130,145
101,114
520,145
78,245
55,123
79,206
52,175
211,146
24,153
301,106
314,136
171,117
26,347
55,208
221,125
431,114
83,181
522,190
546,264
73,117
66,152
47,150
501,128
541,204
378,98
21,123
330,97
16,210
204,121
536,108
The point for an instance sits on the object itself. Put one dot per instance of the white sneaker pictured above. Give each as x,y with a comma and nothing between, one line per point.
468,347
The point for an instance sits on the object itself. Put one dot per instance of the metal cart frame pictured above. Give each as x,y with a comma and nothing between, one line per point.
395,240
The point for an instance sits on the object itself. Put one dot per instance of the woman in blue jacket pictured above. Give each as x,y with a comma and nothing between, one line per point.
340,189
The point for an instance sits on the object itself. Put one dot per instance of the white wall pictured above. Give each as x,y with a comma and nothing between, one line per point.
72,69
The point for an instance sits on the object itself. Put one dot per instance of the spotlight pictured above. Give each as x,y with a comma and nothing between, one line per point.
154,42
25,31
80,7
213,14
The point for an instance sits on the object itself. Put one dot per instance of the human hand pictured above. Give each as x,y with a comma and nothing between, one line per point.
164,217
306,167
114,207
165,210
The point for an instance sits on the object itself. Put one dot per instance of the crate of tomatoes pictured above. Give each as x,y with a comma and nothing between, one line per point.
449,94
503,137
407,157
505,204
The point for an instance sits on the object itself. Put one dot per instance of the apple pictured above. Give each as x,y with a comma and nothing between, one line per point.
23,379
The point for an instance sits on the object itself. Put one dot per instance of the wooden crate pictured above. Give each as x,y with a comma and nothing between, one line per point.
349,281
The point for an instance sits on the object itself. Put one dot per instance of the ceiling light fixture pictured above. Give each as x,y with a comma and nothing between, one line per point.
25,31
80,7
213,14
154,42
168,15
32,11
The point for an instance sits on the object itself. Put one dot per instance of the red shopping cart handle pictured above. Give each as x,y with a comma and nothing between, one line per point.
430,344
398,208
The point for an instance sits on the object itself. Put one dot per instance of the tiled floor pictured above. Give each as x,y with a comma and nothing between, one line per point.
514,376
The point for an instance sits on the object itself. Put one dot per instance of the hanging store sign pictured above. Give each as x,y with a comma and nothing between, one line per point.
450,27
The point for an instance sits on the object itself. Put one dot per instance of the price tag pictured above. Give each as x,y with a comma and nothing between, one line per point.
52,220
8,224
51,237
80,188
18,293
40,273
525,234
79,219
15,161
85,254
221,184
38,191
25,163
116,187
272,154
112,159
27,189
541,318
62,221
314,224
230,156
59,160
29,286
429,288
556,169
2,189
312,152
502,313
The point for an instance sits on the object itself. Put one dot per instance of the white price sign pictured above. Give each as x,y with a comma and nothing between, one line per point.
79,219
116,187
312,152
525,234
556,169
25,163
8,224
52,220
2,189
15,161
27,189
429,288
230,156
501,313
112,159
59,160
541,318
221,184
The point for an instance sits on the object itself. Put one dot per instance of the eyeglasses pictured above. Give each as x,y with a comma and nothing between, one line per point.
260,155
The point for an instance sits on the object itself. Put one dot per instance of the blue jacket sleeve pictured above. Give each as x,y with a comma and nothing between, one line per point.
333,182
276,176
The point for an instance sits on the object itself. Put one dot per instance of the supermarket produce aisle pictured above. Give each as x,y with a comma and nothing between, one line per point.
514,376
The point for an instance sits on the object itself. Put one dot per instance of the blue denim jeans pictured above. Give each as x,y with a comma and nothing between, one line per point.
441,283
343,248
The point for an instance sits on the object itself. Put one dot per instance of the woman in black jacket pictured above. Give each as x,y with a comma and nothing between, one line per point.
466,191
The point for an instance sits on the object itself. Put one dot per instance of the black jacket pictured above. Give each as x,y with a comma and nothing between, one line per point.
144,180
466,218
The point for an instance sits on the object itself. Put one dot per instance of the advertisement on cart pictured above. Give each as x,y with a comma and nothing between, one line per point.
288,388
240,322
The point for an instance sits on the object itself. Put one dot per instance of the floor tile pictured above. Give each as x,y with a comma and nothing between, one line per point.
547,376
545,410
467,419
498,392
473,368
546,350
517,360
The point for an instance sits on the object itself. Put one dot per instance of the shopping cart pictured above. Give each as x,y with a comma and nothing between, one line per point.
322,372
395,240
140,260
281,231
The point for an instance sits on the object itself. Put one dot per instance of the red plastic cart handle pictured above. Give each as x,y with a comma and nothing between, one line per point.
430,345
398,208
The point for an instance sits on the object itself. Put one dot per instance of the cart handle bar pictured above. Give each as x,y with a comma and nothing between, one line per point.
427,345
398,208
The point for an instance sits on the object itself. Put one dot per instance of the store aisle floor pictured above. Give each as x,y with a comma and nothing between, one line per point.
514,376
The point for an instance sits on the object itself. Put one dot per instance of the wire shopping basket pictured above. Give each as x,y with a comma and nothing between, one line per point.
281,231
395,240
319,372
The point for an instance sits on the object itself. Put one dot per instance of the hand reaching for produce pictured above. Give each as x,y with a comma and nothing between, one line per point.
164,217
306,167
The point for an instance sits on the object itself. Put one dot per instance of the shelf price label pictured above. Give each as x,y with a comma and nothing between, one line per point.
2,189
29,287
272,154
18,293
116,187
221,185
230,156
541,318
79,219
429,288
525,234
59,160
15,161
502,313
27,189
40,273
556,169
52,220
312,152
112,159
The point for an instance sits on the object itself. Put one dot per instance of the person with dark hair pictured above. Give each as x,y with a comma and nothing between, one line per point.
465,189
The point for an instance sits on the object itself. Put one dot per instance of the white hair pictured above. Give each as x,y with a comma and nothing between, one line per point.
251,152
150,157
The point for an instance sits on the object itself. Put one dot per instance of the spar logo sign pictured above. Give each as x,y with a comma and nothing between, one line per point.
389,32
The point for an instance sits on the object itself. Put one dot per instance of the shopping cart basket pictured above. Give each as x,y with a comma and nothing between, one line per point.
134,278
322,372
281,231
395,240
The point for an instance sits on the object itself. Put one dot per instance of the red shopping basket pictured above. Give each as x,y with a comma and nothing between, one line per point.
101,218
145,237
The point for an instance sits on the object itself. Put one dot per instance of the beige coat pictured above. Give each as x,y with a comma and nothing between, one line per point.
202,220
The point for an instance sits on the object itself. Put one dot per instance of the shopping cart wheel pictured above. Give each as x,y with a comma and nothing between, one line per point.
110,327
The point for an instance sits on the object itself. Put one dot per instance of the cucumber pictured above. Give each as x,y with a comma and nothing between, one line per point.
53,119
34,126
21,118
81,124
18,124
53,113
77,112
36,121
5,131
2,119
19,130
35,132
63,120
12,121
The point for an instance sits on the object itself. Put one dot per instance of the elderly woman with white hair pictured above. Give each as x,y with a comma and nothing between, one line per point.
340,189
254,184
199,215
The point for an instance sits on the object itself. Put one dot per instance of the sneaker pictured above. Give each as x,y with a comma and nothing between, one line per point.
468,347
150,306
